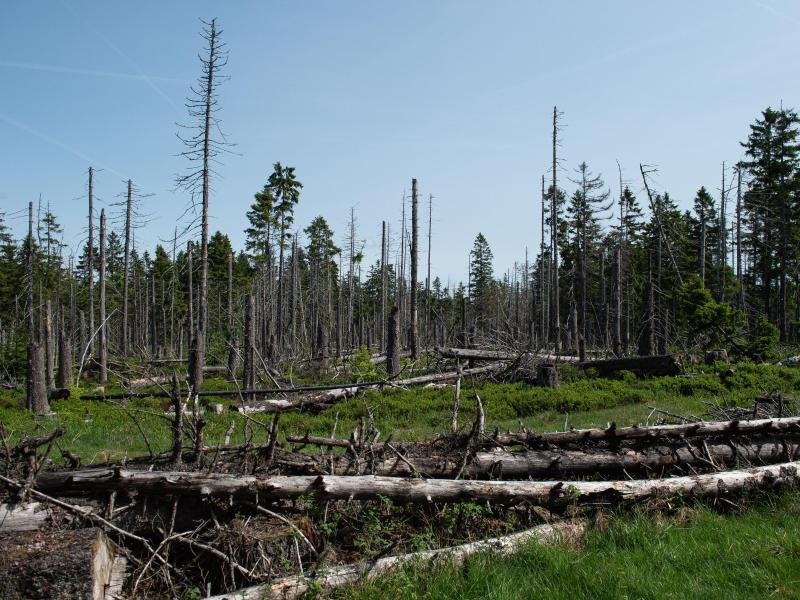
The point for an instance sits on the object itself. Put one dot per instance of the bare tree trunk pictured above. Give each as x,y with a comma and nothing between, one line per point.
384,283
125,270
617,335
90,255
647,342
723,245
603,302
403,489
414,329
249,378
50,350
190,323
393,343
428,307
544,277
177,422
36,391
554,244
64,356
739,271
103,327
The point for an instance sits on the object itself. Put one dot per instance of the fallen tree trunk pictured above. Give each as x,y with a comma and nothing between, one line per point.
294,390
613,433
368,487
483,354
448,376
284,404
166,379
19,517
336,395
610,434
666,364
545,463
293,587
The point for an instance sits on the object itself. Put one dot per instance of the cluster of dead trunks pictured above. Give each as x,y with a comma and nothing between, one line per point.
626,464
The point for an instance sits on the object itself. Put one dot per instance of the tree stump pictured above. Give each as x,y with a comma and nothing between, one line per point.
546,375
58,564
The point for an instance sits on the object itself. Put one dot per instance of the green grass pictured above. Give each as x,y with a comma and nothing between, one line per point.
103,431
755,554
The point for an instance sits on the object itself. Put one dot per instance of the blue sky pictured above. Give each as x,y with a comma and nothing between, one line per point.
362,96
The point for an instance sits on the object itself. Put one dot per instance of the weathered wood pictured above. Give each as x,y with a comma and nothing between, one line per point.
285,404
665,364
36,392
487,354
57,564
22,517
546,375
393,342
333,577
701,428
547,463
369,487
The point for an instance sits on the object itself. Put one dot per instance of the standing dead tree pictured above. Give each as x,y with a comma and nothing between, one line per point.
204,148
36,392
103,325
414,328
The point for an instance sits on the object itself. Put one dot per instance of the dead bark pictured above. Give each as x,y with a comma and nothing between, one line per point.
177,421
487,354
614,433
36,392
333,577
103,325
414,327
393,343
49,341
64,356
368,487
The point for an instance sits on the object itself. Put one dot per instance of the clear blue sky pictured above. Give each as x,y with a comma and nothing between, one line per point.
362,96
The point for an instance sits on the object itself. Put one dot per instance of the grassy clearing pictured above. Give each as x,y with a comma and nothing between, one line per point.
102,431
703,554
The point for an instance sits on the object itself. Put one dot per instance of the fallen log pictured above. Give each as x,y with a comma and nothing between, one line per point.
547,463
614,433
294,390
338,394
166,379
281,405
667,364
484,354
610,434
27,517
402,489
448,376
293,587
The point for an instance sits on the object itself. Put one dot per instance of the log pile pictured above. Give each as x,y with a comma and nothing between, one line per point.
165,514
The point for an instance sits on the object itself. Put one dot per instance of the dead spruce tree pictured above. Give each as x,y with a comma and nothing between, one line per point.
414,328
103,318
36,392
203,148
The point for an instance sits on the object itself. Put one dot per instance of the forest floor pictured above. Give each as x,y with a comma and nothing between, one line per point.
745,550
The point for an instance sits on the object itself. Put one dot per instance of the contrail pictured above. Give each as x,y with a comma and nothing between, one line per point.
149,80
776,12
51,140
90,72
